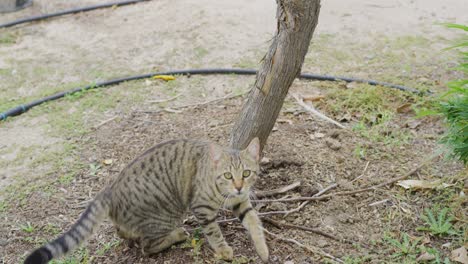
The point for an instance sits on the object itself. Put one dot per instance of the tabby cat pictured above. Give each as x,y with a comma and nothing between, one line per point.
151,196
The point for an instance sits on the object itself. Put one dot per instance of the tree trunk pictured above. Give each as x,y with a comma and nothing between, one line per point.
297,20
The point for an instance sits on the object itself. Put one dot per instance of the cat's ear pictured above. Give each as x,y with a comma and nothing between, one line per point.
253,149
215,153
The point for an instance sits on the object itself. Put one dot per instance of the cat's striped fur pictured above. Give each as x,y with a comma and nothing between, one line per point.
152,195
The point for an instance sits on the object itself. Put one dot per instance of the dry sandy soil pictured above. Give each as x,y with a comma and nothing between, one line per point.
51,158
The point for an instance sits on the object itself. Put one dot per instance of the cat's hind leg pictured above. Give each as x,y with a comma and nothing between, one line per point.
155,243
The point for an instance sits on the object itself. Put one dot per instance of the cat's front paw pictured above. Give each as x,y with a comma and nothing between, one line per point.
225,253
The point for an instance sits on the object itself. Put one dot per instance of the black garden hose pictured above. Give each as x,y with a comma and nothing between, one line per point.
25,107
70,11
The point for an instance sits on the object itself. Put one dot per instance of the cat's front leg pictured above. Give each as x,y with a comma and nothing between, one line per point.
247,215
206,217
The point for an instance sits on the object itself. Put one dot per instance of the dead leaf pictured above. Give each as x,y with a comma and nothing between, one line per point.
404,108
421,184
313,98
459,255
425,257
107,161
164,77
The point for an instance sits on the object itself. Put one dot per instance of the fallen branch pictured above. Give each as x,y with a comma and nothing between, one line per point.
105,122
314,111
371,188
313,230
165,100
379,202
281,190
306,247
262,214
307,202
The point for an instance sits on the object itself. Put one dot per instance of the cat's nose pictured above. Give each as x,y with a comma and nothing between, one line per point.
238,188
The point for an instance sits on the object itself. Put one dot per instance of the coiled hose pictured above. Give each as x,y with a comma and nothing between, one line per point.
18,110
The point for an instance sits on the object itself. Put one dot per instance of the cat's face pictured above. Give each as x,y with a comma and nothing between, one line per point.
236,171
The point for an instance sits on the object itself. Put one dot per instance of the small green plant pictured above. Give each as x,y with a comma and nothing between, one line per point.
439,226
3,206
28,228
52,229
8,38
356,260
93,169
81,256
197,243
455,109
66,178
360,151
406,248
107,246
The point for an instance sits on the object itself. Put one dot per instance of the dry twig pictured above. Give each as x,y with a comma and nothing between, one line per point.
363,173
312,230
105,122
306,247
371,188
281,190
165,100
285,213
307,202
314,111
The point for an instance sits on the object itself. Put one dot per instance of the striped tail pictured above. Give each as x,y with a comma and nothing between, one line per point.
78,233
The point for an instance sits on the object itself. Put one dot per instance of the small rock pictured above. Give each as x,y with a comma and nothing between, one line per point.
289,262
345,218
317,135
335,133
277,206
413,124
322,243
333,144
329,220
447,245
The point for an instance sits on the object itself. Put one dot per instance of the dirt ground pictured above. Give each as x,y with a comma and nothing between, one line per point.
52,157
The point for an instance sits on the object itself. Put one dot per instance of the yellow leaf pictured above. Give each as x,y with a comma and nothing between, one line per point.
164,77
107,161
194,242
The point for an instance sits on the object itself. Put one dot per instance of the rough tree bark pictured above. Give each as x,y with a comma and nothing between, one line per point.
296,22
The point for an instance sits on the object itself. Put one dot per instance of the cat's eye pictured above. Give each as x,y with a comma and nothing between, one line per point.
228,175
246,173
